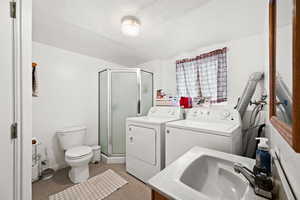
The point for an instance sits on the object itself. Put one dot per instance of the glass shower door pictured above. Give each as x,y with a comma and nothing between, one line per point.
124,103
146,92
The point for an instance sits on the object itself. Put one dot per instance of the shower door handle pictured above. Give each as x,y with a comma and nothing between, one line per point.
139,107
139,92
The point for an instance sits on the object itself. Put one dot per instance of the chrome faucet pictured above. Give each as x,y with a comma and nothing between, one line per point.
262,184
247,173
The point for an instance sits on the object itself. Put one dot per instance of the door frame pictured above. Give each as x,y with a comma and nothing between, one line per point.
23,87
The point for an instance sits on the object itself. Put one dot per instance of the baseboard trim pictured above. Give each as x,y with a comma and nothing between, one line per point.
112,160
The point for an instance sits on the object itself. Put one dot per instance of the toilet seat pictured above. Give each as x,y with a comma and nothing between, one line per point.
78,152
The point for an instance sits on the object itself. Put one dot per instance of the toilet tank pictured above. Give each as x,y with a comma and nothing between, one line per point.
71,137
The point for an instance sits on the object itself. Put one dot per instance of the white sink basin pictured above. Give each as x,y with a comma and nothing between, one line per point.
214,178
204,174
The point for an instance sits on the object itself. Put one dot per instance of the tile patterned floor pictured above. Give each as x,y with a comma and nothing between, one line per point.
134,190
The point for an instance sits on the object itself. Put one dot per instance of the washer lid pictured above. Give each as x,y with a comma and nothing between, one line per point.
78,151
217,128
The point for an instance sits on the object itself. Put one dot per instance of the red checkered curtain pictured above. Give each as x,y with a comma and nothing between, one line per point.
203,76
212,68
187,79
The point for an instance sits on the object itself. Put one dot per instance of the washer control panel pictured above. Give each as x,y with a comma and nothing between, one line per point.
212,114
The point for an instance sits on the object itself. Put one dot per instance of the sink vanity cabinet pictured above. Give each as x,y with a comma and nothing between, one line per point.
157,196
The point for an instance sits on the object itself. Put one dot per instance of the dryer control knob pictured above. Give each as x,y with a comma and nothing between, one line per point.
226,114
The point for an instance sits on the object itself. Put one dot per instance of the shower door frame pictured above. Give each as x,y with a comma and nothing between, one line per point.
138,72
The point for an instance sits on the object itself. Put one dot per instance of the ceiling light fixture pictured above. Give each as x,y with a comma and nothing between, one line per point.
130,26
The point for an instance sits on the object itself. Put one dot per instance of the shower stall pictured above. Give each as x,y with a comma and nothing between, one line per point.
123,92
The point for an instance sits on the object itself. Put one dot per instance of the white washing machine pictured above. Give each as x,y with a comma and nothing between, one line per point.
214,128
145,141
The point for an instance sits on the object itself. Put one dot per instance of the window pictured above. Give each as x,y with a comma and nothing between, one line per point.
203,76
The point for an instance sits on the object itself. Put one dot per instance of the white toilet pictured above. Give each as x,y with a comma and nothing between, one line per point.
77,155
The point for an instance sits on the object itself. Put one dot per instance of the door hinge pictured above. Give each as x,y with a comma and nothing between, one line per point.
12,6
14,131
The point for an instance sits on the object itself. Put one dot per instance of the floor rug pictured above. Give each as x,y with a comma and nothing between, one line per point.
95,188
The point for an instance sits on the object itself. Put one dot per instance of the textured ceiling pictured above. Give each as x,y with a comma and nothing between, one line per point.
168,26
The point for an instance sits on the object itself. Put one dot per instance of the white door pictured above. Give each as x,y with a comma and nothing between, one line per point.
146,92
6,102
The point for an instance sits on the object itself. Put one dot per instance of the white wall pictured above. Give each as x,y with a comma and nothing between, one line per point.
245,56
68,96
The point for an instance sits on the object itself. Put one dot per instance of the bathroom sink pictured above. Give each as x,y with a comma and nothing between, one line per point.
204,174
214,178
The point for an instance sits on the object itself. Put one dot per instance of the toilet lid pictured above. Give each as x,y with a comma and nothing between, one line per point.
78,151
